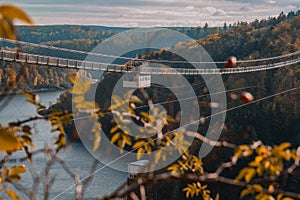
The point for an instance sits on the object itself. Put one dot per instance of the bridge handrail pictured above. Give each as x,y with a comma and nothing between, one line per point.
99,66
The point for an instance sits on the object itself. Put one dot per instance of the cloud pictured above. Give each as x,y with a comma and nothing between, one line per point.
219,12
189,8
214,11
152,12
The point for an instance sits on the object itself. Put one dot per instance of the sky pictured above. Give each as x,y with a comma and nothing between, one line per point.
149,13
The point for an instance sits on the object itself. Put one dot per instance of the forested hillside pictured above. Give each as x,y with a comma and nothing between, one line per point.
275,118
272,120
47,33
39,34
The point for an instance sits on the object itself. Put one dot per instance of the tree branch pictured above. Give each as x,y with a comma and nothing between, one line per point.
208,177
87,181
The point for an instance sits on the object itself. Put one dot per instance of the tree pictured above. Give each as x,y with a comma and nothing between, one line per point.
225,26
205,26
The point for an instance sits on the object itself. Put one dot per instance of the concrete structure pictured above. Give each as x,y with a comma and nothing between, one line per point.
135,168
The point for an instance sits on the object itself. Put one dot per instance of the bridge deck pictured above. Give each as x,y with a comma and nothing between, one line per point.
10,56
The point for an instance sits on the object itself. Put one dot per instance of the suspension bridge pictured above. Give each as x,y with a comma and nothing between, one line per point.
28,58
10,56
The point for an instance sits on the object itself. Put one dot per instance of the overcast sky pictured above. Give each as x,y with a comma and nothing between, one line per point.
147,13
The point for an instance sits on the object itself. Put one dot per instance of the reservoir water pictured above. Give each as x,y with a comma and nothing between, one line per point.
78,159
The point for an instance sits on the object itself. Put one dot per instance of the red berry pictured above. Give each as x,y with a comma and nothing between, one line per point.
231,61
246,97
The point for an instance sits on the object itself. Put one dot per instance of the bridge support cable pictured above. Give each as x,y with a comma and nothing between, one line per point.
10,56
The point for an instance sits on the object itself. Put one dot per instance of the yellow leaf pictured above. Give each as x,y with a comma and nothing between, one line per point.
262,151
78,99
80,87
115,137
246,173
72,79
147,148
15,177
9,142
174,168
117,100
164,156
256,161
248,153
249,175
114,129
150,141
35,81
135,99
61,128
29,95
284,145
244,193
140,152
87,105
11,12
257,187
7,28
31,101
55,112
279,196
171,119
243,147
157,156
145,114
5,171
187,191
127,140
271,188
260,170
97,140
121,144
287,198
17,170
138,144
12,195
286,155
61,141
